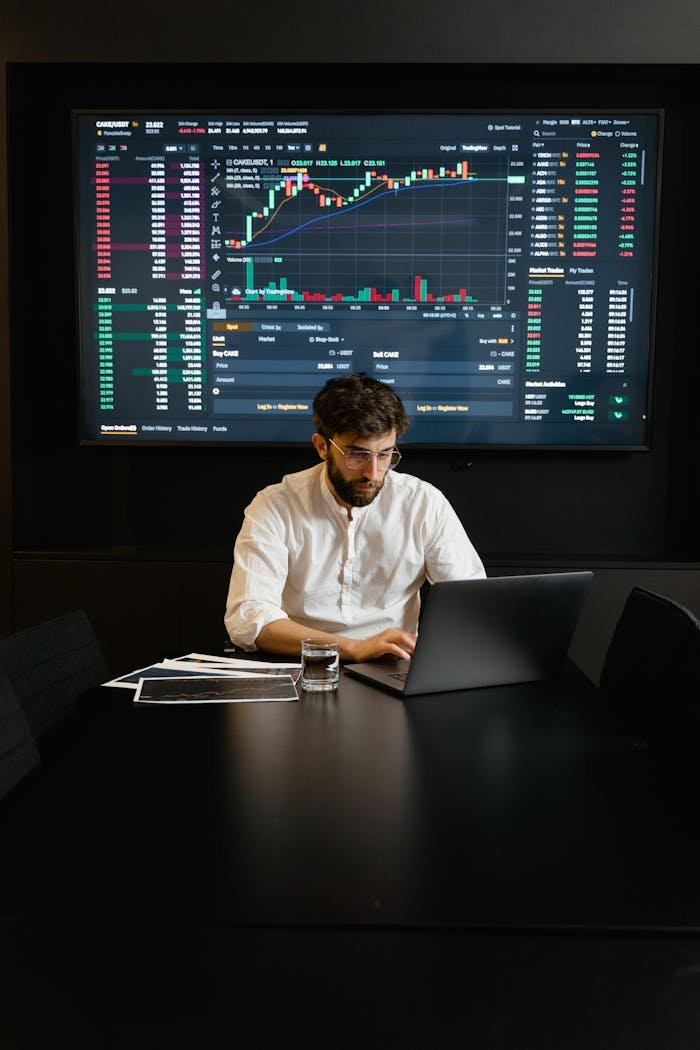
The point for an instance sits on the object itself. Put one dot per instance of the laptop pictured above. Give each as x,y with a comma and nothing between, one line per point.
484,632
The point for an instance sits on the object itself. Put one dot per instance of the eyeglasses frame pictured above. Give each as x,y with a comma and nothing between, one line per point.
365,452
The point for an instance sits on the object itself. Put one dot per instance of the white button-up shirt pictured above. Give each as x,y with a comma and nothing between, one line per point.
298,556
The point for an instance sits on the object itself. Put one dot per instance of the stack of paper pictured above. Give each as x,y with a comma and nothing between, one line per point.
198,678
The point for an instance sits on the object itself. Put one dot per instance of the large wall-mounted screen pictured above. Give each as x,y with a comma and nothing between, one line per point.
497,269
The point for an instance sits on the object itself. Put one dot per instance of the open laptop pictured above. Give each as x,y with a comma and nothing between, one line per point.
484,632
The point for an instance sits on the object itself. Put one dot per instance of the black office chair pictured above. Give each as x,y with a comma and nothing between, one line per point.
18,750
651,673
50,666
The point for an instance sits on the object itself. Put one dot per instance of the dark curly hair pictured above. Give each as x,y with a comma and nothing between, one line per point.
358,403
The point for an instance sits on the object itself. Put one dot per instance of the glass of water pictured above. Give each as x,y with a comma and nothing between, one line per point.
320,665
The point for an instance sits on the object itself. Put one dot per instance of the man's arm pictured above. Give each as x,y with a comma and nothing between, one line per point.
260,567
285,636
450,554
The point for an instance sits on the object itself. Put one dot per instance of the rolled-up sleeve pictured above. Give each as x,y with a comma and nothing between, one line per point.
258,576
450,554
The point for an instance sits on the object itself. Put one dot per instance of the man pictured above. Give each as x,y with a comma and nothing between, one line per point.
341,550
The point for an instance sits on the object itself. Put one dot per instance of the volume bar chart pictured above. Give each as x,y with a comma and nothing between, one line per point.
280,292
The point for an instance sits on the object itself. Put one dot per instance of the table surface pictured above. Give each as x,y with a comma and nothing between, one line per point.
523,807
504,869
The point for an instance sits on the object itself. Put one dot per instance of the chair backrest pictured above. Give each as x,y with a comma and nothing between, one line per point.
18,750
50,666
651,672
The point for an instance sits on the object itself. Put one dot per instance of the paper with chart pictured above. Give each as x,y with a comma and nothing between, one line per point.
211,689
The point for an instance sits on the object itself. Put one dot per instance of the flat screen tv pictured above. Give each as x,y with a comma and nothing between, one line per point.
496,268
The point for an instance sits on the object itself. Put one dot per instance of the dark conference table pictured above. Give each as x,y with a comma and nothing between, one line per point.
504,867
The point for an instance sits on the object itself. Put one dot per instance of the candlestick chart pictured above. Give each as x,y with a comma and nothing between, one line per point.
419,232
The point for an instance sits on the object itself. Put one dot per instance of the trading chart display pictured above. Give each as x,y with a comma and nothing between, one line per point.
497,270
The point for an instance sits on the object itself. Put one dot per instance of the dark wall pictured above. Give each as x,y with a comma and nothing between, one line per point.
630,505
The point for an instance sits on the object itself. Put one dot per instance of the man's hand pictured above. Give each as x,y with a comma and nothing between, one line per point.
391,642
284,636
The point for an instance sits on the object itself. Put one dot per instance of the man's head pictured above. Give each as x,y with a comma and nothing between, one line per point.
358,420
358,403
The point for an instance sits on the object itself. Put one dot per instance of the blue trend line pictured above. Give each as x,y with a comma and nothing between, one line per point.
361,204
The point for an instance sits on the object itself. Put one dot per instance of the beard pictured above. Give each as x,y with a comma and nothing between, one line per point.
350,491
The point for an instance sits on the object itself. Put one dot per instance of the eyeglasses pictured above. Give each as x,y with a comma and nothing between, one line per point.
357,458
